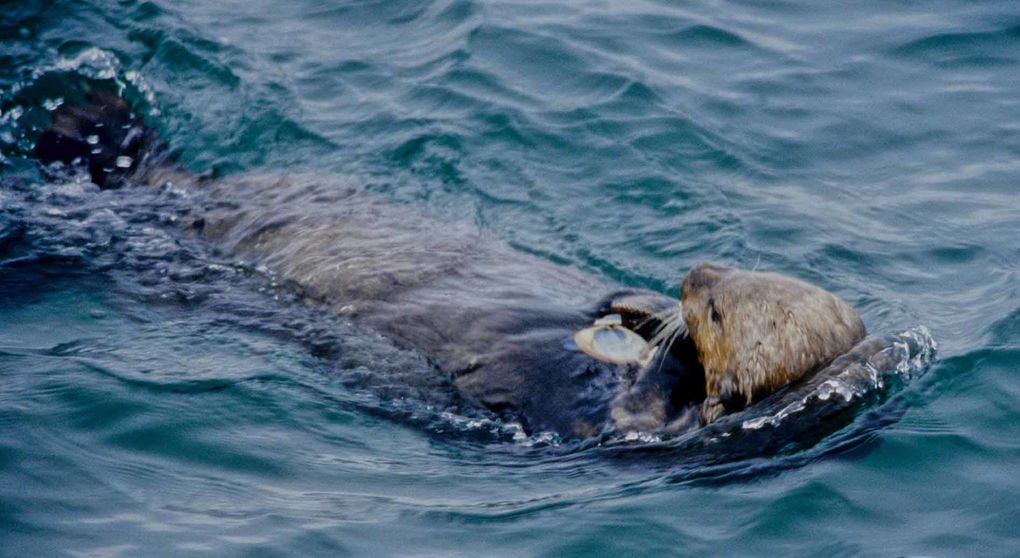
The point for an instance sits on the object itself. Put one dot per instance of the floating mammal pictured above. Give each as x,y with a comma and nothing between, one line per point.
530,340
497,322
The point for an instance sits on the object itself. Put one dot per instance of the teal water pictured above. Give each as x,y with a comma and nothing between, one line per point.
158,398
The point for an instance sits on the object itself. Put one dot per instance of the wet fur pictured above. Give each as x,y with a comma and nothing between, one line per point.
756,332
492,318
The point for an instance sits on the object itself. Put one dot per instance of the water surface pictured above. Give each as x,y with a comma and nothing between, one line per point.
160,398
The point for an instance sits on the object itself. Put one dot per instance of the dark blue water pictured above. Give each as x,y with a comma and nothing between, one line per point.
158,397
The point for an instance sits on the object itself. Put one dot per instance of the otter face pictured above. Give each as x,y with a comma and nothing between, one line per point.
756,332
709,323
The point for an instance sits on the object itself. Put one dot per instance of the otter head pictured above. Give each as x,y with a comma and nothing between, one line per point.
755,332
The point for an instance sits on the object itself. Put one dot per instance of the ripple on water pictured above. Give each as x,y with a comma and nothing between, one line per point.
965,49
156,398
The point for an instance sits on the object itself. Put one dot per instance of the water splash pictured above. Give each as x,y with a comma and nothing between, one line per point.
908,355
25,106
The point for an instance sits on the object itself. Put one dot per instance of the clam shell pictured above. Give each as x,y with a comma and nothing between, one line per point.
614,343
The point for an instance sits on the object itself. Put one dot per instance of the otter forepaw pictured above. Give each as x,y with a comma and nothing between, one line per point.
711,410
638,411
730,396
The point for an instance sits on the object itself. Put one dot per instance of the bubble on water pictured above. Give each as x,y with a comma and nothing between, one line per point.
135,79
124,162
92,139
776,419
95,63
832,388
642,437
11,116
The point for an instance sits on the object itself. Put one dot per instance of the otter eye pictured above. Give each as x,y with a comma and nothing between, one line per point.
716,317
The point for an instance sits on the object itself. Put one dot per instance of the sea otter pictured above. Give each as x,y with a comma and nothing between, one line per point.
500,323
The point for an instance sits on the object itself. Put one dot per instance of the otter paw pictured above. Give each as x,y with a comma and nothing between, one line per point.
711,410
686,421
730,396
638,411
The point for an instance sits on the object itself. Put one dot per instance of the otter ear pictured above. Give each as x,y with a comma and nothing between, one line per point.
702,276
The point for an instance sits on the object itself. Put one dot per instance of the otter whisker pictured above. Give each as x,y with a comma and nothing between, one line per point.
664,318
670,330
664,333
680,328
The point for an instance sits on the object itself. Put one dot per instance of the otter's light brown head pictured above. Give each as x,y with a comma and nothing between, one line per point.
755,332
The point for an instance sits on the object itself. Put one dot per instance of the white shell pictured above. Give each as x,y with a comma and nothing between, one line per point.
614,343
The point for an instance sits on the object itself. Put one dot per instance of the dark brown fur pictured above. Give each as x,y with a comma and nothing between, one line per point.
495,320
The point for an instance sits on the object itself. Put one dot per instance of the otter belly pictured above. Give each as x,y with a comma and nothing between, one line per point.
499,322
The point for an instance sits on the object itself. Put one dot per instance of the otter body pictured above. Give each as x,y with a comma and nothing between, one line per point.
497,321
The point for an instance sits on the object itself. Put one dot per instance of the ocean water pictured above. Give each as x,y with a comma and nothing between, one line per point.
160,398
